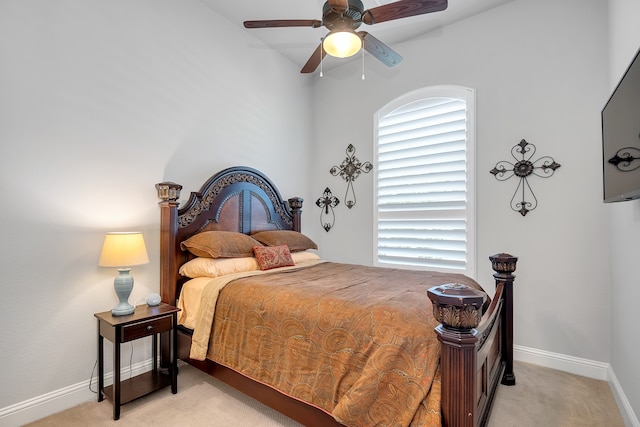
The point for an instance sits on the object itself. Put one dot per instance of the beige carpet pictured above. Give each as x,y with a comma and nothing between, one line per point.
541,397
546,397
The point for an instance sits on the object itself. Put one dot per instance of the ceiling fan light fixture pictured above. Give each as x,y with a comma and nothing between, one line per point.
342,43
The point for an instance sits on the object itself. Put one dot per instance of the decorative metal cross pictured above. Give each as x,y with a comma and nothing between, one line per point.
523,168
349,170
327,202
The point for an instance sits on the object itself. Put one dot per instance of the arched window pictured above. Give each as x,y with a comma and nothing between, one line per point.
424,190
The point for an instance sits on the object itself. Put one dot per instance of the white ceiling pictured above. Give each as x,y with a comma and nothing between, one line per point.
297,44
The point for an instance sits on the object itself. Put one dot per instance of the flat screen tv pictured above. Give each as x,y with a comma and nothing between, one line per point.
621,138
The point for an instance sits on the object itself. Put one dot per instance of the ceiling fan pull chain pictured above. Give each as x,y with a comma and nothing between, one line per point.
321,58
362,64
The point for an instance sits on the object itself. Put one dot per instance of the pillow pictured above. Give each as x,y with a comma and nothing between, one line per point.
303,256
220,244
273,256
295,240
210,267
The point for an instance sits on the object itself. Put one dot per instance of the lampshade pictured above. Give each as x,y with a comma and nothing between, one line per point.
342,43
123,249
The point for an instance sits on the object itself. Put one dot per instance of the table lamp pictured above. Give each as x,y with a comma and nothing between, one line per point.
123,250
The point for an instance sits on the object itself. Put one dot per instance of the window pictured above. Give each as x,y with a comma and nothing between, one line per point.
424,189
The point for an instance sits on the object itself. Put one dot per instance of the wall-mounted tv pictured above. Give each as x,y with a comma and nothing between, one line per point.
621,138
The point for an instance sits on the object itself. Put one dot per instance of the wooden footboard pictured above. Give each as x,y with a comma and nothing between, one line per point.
477,350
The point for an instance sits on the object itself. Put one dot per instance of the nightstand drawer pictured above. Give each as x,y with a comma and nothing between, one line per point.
143,329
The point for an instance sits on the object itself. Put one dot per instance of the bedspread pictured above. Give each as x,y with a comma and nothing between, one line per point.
357,342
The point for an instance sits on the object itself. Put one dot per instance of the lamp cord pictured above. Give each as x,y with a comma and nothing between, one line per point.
96,364
131,360
91,377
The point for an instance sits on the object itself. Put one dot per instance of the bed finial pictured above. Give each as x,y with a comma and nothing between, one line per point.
295,204
504,265
168,191
457,306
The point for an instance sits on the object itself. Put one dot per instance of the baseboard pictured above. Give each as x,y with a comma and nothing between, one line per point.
41,406
630,418
584,367
573,365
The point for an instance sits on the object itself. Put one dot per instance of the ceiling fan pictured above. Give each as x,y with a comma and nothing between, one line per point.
343,17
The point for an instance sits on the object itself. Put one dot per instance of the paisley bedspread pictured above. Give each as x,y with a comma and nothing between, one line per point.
357,342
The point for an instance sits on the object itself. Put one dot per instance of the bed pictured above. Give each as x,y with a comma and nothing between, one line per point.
327,344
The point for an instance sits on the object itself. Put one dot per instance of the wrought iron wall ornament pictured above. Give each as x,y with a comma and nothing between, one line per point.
623,159
349,170
326,203
523,168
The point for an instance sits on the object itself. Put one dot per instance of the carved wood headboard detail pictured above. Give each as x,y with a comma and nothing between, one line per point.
236,199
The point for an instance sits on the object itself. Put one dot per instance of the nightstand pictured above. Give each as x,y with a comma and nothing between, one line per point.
145,321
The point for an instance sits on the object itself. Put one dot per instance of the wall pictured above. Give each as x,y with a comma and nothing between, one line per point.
624,42
100,101
539,74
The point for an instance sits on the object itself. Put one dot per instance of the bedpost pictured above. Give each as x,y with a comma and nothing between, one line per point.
458,308
504,265
169,193
295,204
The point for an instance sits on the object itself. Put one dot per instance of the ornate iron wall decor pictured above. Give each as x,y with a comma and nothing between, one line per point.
523,168
349,170
326,203
623,159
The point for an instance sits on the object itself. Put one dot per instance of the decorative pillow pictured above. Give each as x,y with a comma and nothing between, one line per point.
210,267
273,256
303,256
295,240
220,244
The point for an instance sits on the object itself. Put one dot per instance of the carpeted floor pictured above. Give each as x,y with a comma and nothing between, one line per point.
547,397
541,397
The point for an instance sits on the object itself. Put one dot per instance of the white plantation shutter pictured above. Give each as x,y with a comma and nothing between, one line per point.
424,187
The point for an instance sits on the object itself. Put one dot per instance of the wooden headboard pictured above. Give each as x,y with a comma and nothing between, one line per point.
236,199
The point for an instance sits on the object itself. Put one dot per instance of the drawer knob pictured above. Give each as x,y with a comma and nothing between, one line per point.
149,328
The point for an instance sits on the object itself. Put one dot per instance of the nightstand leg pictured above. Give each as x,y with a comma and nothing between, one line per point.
154,354
100,364
116,376
174,356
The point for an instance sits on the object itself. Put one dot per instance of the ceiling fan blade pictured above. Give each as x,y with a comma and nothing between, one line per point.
274,23
402,9
381,51
339,5
314,60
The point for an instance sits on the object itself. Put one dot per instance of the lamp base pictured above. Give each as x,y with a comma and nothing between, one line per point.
123,284
122,309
